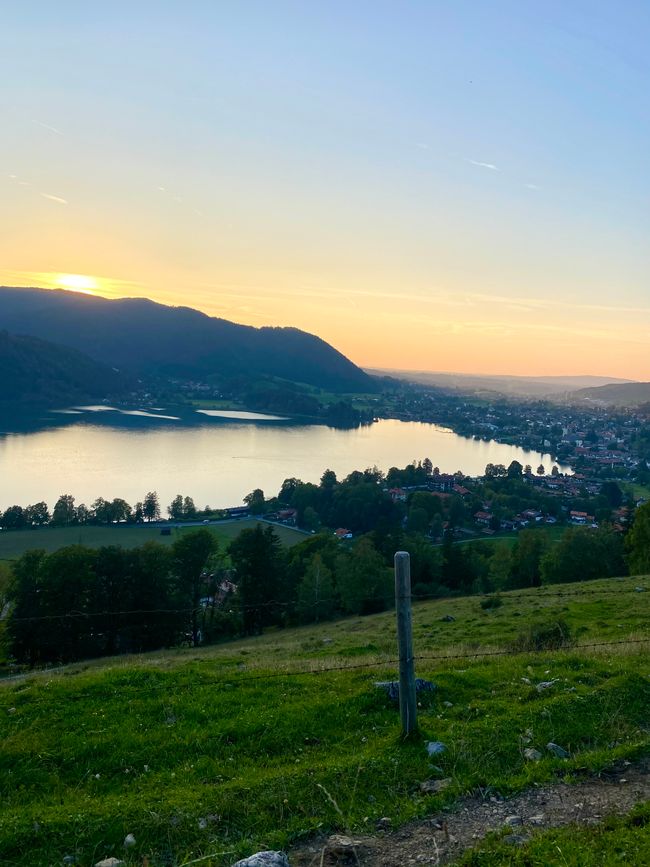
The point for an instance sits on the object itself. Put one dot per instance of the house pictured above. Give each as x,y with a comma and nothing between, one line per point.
397,495
342,533
483,517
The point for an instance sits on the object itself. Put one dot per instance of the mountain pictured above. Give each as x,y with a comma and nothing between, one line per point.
514,386
627,394
149,338
37,371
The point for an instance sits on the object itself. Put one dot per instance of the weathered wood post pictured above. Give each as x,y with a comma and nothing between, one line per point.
407,701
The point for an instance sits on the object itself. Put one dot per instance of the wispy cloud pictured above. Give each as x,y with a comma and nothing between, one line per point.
48,127
532,187
16,180
56,199
483,165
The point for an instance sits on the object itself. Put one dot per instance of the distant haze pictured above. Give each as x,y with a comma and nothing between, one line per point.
520,386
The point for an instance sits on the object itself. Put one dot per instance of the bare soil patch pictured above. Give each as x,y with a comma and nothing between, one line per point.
444,836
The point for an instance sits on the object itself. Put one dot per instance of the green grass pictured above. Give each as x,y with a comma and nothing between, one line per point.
615,841
14,543
221,749
637,490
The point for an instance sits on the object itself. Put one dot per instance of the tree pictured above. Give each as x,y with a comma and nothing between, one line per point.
310,519
638,541
64,512
37,514
189,509
315,592
540,470
364,582
257,560
527,553
555,470
121,512
613,493
138,513
515,470
175,508
190,553
583,554
14,518
255,501
427,466
151,507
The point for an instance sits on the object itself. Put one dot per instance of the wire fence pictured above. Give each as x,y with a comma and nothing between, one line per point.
284,605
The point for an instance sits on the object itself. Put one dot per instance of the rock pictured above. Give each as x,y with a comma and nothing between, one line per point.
639,589
536,820
129,841
515,839
202,823
432,787
391,687
532,755
448,618
384,823
557,751
514,820
448,704
545,684
110,862
11,710
342,849
434,748
264,859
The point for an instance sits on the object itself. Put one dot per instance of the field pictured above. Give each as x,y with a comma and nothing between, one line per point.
13,543
206,755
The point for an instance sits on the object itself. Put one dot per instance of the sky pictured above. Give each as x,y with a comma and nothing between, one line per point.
426,184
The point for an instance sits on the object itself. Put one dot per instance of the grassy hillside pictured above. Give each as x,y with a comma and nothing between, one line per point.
214,753
14,543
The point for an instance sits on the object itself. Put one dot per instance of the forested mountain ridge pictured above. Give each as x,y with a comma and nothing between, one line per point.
153,339
35,370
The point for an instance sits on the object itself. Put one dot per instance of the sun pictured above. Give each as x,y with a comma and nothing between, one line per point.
77,283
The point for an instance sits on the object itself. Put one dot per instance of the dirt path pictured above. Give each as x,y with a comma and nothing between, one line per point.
445,836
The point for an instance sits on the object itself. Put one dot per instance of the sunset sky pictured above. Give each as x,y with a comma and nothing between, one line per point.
427,185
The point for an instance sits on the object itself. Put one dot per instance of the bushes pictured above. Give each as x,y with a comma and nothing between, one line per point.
544,635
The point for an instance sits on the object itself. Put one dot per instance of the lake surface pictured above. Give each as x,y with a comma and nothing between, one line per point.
95,451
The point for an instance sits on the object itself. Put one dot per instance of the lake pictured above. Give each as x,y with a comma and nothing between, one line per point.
216,458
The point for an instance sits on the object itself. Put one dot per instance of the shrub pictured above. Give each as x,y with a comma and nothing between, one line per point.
491,602
544,635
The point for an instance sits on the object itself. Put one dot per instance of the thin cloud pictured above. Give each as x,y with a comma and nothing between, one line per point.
483,165
17,180
56,199
532,187
48,127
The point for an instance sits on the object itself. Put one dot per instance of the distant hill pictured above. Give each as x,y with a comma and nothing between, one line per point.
513,386
37,371
627,394
149,338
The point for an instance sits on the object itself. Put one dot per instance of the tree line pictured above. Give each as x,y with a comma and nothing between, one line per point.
79,602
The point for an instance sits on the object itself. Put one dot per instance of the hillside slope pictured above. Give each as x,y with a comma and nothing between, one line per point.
211,753
625,394
37,371
513,386
150,338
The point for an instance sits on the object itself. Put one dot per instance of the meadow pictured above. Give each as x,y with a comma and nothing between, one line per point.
205,755
14,543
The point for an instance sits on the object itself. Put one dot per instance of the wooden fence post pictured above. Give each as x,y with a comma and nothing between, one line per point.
407,701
